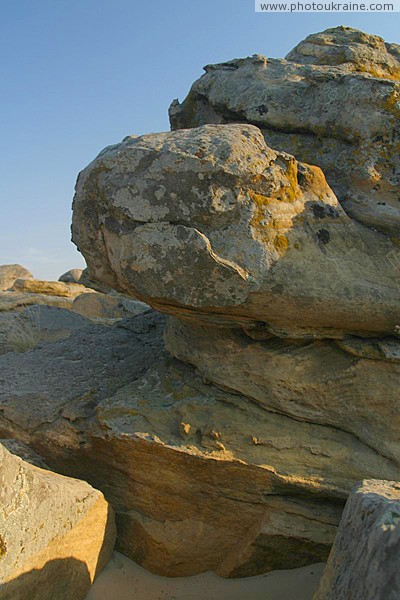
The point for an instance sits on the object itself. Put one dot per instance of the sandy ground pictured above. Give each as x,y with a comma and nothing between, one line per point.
123,579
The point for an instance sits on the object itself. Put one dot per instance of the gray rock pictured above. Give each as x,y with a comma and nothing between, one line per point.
23,330
211,224
56,534
364,561
334,102
9,274
71,276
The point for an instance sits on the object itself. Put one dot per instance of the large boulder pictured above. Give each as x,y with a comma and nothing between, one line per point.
56,533
334,102
211,224
10,273
365,559
200,478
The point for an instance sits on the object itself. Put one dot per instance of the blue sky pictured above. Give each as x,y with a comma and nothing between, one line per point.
77,75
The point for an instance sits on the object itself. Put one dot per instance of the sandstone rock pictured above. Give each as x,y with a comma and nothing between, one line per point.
71,276
50,288
317,381
334,102
9,273
159,215
364,561
200,478
107,306
57,533
20,300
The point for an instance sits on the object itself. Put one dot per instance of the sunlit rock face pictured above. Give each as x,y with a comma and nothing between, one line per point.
334,102
212,224
284,292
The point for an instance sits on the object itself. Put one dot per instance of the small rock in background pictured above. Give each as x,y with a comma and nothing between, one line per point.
71,276
108,306
9,274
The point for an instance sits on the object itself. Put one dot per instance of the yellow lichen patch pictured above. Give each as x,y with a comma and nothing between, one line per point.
281,243
392,103
388,72
290,192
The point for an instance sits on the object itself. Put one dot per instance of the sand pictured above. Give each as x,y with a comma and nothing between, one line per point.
122,579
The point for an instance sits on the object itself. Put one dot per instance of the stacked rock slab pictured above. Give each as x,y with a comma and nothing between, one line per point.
201,479
56,533
364,561
283,289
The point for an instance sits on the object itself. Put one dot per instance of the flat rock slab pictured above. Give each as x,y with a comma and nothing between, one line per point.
364,562
11,300
56,533
50,288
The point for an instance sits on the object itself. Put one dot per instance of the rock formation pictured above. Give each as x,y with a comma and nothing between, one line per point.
364,561
284,293
56,533
234,447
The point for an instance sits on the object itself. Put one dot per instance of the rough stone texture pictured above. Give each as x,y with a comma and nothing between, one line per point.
71,276
107,306
200,478
20,300
364,561
334,102
56,534
9,273
23,330
159,215
316,381
51,288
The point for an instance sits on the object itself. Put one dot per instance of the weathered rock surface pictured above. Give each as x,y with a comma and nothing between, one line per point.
107,306
23,330
20,300
9,274
56,534
314,381
71,276
211,224
50,288
200,478
364,561
334,102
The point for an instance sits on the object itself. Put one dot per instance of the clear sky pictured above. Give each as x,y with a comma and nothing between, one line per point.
77,75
